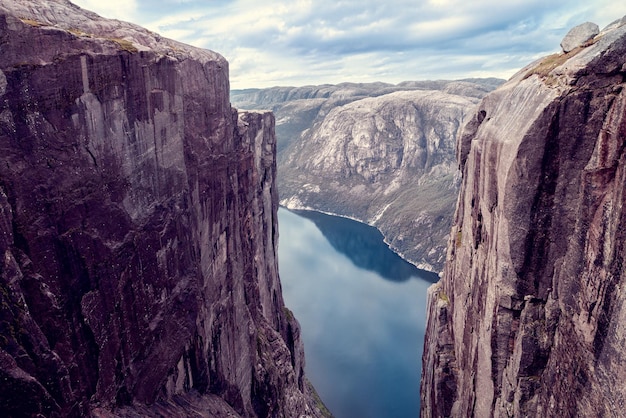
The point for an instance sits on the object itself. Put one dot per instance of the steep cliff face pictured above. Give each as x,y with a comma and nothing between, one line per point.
528,319
138,229
387,159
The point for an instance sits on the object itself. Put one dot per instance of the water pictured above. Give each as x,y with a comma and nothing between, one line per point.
362,310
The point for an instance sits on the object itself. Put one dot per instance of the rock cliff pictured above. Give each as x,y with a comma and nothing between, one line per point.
138,229
528,319
380,153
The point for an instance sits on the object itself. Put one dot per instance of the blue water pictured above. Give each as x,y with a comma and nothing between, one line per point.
362,311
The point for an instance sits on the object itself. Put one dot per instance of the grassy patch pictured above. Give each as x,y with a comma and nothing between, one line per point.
549,63
318,401
31,22
443,296
288,313
125,44
77,32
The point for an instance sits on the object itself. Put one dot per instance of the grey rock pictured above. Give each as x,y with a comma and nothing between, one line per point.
388,161
528,318
380,153
138,229
578,35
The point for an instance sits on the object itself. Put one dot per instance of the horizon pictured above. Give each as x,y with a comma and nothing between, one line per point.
295,44
367,83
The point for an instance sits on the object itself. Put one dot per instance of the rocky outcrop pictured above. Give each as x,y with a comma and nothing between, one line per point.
528,319
578,35
387,159
138,229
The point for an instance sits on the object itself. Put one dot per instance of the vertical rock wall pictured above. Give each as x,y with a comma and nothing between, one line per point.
138,229
528,318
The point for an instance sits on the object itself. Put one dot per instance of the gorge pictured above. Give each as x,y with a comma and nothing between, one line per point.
362,309
138,229
380,153
139,224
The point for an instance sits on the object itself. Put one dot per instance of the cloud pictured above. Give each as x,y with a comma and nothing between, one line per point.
113,9
312,42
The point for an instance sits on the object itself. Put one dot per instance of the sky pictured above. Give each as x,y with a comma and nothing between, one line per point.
305,42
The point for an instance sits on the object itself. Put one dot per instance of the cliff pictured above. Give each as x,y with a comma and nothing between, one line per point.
380,153
138,229
528,319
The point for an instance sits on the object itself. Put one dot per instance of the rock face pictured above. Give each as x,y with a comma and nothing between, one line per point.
387,159
138,229
528,319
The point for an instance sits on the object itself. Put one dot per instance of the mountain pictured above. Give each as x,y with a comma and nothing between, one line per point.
528,319
138,229
380,153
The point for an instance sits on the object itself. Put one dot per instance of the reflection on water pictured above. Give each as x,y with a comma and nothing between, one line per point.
362,311
364,246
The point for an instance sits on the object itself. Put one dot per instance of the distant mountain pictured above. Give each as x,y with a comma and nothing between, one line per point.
380,153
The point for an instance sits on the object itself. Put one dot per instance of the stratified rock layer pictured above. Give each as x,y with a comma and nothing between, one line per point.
138,229
529,317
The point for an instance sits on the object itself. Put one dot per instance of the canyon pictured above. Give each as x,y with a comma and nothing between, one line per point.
528,318
138,229
383,154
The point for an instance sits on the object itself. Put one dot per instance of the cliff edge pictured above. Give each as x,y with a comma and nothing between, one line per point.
138,229
528,319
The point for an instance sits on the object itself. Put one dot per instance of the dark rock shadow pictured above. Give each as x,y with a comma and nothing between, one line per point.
364,245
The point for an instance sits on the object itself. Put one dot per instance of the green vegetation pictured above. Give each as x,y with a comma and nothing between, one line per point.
125,44
443,296
549,63
288,313
78,32
318,401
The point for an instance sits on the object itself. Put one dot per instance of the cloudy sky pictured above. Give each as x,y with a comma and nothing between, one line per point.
299,42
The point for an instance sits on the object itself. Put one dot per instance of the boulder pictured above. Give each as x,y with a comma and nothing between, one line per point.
578,35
